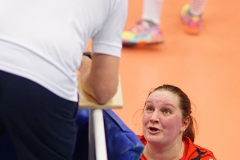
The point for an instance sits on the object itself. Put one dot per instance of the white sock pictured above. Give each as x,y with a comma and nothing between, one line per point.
152,10
197,7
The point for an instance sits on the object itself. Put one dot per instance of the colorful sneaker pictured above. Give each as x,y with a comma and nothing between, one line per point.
192,24
139,34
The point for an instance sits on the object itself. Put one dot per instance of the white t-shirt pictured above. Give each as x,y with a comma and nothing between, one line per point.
44,40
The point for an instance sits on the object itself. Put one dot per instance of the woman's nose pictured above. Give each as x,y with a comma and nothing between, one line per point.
154,118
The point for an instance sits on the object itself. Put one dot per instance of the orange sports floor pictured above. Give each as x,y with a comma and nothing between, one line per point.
206,67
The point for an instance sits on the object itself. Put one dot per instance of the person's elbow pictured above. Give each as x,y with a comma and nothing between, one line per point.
103,77
102,96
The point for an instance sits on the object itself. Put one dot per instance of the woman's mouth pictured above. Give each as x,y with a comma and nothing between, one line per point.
153,130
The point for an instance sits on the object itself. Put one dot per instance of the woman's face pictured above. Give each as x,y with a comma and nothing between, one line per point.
162,118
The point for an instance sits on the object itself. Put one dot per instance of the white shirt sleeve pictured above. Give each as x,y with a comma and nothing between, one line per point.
108,40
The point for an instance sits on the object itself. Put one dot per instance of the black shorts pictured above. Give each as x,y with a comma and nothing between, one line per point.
42,125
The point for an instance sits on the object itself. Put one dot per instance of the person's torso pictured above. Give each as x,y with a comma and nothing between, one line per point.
191,151
44,40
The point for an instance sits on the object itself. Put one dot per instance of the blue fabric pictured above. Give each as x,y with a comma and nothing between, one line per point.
122,143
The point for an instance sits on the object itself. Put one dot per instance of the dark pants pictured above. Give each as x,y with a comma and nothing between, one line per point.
42,125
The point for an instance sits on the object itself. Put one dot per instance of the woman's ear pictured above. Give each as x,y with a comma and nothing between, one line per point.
185,124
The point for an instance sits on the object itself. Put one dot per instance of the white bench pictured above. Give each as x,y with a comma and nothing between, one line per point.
97,142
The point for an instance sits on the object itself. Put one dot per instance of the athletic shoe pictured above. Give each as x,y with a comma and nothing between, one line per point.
192,24
139,34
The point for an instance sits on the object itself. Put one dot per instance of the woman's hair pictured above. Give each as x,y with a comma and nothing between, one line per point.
185,106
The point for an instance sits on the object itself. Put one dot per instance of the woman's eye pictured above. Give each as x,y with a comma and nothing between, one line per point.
149,109
167,111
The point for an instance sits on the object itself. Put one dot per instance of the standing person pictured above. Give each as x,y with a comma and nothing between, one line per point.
148,30
41,48
168,127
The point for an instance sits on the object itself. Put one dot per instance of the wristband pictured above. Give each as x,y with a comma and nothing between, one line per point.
88,54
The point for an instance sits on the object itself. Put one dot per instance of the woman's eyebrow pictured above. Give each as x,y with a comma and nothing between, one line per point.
169,104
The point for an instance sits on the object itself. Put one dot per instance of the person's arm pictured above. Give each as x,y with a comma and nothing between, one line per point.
99,76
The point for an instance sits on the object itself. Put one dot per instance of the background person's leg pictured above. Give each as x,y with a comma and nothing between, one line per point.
197,7
152,10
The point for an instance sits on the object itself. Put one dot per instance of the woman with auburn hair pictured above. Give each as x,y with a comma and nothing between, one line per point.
168,127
